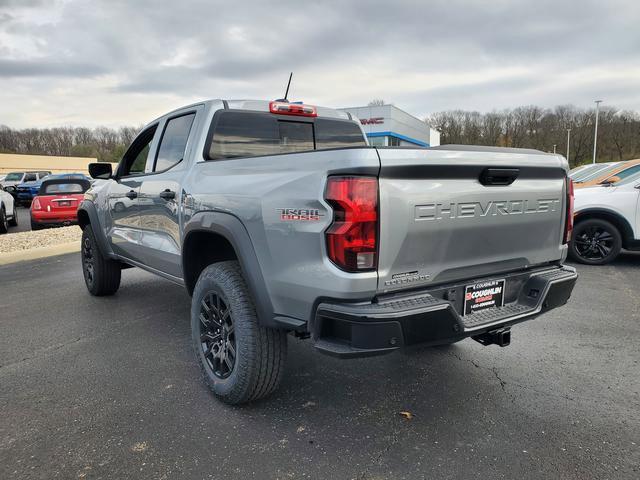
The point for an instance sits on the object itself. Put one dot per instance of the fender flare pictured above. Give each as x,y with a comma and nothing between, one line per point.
90,209
233,230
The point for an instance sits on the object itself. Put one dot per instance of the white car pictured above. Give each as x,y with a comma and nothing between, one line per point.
8,212
606,219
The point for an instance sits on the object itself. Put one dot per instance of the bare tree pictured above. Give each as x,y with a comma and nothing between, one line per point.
535,127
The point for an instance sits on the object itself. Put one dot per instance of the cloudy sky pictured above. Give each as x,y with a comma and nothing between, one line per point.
77,62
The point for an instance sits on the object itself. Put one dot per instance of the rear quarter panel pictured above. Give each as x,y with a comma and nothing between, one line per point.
291,253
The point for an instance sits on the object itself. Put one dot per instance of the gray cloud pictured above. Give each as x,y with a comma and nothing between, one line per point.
47,68
424,56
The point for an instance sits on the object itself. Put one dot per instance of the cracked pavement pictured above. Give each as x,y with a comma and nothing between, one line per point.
108,388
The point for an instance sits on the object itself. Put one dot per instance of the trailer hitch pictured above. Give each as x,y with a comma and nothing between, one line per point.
500,337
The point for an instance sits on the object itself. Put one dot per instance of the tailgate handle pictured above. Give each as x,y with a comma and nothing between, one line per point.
499,176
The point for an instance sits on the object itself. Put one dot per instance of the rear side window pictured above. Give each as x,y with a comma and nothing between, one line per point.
173,142
30,177
237,134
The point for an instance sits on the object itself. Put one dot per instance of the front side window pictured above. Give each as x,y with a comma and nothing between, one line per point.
237,134
174,142
30,177
135,159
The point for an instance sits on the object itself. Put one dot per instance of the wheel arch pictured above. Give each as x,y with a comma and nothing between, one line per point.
88,215
621,223
211,237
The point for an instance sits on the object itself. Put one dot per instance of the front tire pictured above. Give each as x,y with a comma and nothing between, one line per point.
14,221
101,275
240,360
595,242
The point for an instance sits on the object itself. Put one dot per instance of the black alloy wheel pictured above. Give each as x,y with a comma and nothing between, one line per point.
88,261
595,242
217,335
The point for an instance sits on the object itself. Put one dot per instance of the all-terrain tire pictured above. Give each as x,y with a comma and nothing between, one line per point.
101,274
259,352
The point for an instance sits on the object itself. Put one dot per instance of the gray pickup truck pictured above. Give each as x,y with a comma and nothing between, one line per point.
279,218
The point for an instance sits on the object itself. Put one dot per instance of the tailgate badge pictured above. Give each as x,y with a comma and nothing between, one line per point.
406,277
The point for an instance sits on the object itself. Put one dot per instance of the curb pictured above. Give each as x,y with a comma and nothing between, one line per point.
39,252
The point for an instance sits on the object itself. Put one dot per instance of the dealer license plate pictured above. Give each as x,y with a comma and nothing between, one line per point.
483,295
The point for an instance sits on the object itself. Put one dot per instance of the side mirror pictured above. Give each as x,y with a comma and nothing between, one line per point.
100,170
610,180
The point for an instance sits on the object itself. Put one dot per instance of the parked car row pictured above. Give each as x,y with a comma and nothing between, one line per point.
53,199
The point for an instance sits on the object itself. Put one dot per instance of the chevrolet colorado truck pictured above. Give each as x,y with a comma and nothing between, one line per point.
279,218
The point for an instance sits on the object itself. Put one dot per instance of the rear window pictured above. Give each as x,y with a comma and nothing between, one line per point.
60,188
250,134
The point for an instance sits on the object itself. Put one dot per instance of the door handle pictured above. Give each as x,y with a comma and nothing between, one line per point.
499,176
167,194
131,194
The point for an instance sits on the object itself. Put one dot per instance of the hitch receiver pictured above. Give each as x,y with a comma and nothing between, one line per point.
500,337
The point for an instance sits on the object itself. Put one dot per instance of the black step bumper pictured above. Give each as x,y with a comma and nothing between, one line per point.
432,317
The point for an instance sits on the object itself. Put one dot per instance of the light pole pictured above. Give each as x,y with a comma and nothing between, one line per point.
595,135
568,138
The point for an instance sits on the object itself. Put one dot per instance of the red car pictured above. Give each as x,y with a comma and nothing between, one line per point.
56,204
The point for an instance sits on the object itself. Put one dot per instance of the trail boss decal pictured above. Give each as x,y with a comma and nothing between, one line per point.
483,295
299,214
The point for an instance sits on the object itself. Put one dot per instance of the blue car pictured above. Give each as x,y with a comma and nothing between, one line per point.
27,190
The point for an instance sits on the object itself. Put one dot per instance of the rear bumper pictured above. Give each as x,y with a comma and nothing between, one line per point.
431,317
51,219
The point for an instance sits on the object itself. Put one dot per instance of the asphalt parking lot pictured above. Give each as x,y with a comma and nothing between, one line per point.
24,221
108,388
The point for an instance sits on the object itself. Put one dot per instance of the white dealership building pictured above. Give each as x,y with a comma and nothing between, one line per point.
387,125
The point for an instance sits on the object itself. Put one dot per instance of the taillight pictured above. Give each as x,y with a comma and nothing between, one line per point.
352,238
284,108
568,224
35,205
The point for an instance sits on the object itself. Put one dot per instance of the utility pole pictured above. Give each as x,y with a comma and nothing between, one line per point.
568,138
595,135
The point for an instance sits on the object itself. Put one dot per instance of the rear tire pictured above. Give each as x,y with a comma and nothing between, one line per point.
595,242
101,275
4,225
35,225
240,360
14,221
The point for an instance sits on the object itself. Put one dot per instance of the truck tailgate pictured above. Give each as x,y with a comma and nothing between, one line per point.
448,215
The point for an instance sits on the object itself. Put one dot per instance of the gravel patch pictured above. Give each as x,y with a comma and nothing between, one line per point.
20,241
